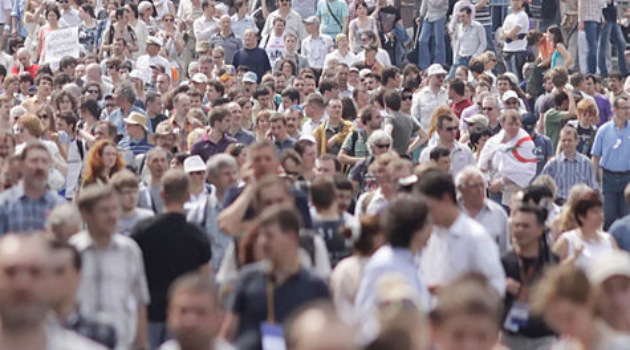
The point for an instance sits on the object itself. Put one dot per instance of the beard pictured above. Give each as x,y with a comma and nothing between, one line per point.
20,316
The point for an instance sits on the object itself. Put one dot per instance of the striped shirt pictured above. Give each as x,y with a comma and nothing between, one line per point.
137,147
570,172
20,213
113,283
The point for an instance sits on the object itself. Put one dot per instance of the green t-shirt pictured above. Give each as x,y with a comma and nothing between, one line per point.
330,26
553,124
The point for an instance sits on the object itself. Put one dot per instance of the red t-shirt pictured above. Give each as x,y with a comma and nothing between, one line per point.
32,70
459,107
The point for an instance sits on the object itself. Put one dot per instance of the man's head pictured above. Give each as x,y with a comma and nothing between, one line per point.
63,222
175,186
157,162
344,193
249,39
439,189
527,224
569,140
220,119
471,186
222,171
491,107
278,126
341,75
194,312
334,107
65,267
621,107
279,230
225,23
323,194
44,84
406,223
465,15
329,89
125,184
24,57
314,105
24,282
447,127
456,89
391,77
124,95
264,159
392,100
136,126
182,104
371,118
99,210
293,117
441,158
36,162
380,142
615,82
318,327
327,166
278,25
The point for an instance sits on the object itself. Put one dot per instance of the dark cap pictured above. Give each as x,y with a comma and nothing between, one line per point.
529,120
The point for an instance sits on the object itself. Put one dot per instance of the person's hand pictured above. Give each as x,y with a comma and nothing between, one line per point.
435,289
581,25
512,286
14,32
247,174
495,186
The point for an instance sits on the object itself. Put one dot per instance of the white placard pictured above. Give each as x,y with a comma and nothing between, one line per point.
60,43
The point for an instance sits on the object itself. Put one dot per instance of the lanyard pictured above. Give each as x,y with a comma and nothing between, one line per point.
271,312
526,278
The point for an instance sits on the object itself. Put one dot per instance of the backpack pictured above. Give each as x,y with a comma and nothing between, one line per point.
307,242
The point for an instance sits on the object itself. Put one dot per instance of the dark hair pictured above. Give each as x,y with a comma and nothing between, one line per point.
58,246
439,152
539,213
466,9
536,193
218,114
54,9
261,90
349,110
67,61
332,157
585,202
458,86
286,217
393,100
292,94
328,85
476,66
370,228
92,107
89,10
70,119
217,85
322,192
436,184
403,218
560,97
389,72
300,146
557,34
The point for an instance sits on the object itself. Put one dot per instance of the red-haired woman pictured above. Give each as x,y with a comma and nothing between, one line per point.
101,163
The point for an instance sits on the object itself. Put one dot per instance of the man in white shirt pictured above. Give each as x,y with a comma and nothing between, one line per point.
471,39
461,155
471,188
369,38
292,20
315,110
514,32
273,43
152,57
430,97
69,16
458,244
206,26
316,46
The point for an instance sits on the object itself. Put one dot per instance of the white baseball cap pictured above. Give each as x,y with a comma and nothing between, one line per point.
508,95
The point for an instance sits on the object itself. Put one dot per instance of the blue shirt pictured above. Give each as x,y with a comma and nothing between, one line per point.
137,147
331,14
569,172
613,146
244,136
543,149
19,213
206,148
620,229
289,142
17,11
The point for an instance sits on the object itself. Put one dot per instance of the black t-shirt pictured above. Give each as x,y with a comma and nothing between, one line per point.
170,247
386,19
535,327
157,120
330,231
586,138
249,301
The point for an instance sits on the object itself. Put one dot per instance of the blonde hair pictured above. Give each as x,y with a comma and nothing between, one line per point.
194,136
568,221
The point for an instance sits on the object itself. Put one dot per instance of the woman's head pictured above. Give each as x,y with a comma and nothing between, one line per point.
379,142
103,159
90,109
29,127
370,236
564,297
261,121
361,8
47,118
588,210
53,14
289,68
555,34
7,145
65,102
86,10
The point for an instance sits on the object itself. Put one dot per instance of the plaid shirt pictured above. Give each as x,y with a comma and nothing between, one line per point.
591,10
19,213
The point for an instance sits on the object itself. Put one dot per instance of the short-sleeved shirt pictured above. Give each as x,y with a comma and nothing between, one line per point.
512,20
330,230
553,124
356,144
206,148
620,230
543,149
612,145
250,301
171,247
404,127
20,213
338,10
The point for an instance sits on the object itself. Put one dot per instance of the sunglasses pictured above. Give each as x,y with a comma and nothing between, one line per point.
451,128
487,108
382,145
407,97
92,92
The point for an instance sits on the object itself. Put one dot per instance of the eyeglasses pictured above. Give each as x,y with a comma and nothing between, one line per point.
451,128
407,97
487,108
292,173
197,173
111,67
381,145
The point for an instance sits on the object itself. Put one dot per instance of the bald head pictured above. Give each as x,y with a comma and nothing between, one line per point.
319,328
24,57
93,72
23,281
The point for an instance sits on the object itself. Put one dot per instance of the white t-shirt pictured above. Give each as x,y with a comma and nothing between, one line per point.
274,46
516,19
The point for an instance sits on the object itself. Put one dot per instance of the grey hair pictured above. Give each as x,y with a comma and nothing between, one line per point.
17,112
218,162
492,98
65,213
127,90
461,180
379,135
73,89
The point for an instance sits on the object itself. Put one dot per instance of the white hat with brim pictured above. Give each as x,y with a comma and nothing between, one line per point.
603,267
136,118
193,164
436,69
508,95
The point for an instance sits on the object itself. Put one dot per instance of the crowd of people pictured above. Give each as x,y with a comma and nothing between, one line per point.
315,174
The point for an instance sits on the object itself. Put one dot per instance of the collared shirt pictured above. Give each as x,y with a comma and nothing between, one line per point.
620,230
356,144
230,44
461,248
117,118
424,103
194,199
591,10
113,283
348,59
206,148
204,213
471,40
289,142
19,213
612,145
461,157
494,219
293,23
137,147
204,29
570,172
183,130
243,136
316,49
325,132
240,25
387,261
57,338
309,126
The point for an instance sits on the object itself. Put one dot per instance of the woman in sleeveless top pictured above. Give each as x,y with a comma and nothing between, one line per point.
583,244
560,55
363,23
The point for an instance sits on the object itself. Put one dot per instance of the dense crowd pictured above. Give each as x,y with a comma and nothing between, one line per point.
314,175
